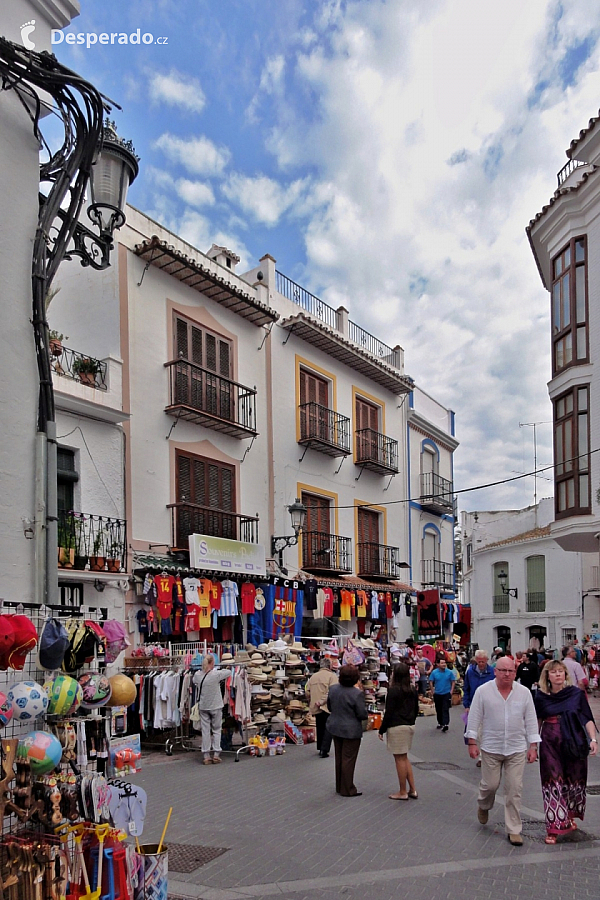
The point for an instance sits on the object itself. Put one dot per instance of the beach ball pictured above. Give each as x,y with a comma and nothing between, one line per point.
64,695
42,749
6,710
28,700
96,690
123,690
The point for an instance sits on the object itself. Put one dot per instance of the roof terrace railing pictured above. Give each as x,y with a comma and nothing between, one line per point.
567,169
306,300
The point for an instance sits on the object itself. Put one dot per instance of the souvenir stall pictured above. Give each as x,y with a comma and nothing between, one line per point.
66,814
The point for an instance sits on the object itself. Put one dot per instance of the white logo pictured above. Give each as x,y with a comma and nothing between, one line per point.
27,29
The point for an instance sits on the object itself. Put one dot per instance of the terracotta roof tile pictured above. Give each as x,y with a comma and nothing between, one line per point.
583,133
532,535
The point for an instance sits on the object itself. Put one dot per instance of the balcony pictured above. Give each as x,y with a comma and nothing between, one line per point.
376,452
208,399
377,560
323,552
536,601
439,574
436,493
324,430
78,366
501,603
97,542
191,518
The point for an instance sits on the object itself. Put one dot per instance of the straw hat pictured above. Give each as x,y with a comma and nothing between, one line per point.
293,660
250,648
297,647
263,646
257,657
227,657
277,645
242,656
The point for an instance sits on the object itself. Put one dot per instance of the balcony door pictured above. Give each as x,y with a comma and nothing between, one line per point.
205,495
206,384
316,541
368,541
314,419
367,416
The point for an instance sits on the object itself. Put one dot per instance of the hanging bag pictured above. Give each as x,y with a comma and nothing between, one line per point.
353,655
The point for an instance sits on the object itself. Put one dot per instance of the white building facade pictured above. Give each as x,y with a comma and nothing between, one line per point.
541,600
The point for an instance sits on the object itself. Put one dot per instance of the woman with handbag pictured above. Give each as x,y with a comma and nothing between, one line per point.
348,711
568,736
398,723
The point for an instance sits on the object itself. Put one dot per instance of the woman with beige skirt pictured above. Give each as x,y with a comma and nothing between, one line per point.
398,723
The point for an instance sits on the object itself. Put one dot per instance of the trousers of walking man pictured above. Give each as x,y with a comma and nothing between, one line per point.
505,713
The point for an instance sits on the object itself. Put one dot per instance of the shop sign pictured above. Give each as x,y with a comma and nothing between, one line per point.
221,555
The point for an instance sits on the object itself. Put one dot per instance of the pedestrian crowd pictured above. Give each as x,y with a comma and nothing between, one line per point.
517,710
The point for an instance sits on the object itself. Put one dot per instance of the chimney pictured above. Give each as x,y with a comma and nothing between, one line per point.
226,258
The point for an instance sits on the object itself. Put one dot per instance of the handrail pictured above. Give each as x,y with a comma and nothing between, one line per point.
78,366
311,303
327,552
207,392
85,538
566,170
373,345
375,447
193,518
377,559
319,423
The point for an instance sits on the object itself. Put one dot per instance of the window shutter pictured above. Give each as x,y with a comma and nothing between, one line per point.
227,489
184,482
196,345
536,575
199,482
224,359
181,339
211,352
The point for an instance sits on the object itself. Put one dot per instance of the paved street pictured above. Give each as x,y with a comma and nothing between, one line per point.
287,833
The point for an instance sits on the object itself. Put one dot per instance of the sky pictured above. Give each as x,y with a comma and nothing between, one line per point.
389,155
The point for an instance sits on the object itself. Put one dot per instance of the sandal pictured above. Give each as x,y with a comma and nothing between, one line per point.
550,839
413,795
398,797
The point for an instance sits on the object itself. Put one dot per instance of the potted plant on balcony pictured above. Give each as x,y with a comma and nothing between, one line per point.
86,369
97,559
56,338
66,544
113,560
81,554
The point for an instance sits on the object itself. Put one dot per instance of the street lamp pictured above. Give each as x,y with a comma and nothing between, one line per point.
297,511
503,578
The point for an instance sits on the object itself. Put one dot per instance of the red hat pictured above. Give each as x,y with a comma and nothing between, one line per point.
7,640
25,640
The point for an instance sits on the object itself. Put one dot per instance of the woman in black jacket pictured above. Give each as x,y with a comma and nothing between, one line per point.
348,710
401,711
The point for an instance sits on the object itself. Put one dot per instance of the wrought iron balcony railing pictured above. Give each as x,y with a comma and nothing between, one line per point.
326,552
306,300
377,560
78,366
324,430
501,603
436,492
376,452
191,518
566,170
373,345
86,540
536,601
438,573
202,396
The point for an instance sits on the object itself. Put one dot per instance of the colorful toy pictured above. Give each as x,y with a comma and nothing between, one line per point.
126,757
96,690
28,700
42,749
123,691
64,695
6,710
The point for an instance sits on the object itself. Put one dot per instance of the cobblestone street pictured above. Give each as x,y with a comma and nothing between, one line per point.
288,834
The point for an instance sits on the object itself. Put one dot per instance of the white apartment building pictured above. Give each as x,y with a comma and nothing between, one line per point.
523,588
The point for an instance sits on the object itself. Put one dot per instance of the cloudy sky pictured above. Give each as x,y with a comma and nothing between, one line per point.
389,155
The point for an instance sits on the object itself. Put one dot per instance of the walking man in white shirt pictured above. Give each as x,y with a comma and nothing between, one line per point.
505,713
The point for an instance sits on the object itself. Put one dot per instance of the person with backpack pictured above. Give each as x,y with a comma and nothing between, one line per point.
569,735
210,705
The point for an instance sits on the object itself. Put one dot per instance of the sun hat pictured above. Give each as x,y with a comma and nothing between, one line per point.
263,646
257,657
293,660
53,645
278,645
297,646
227,657
242,656
250,648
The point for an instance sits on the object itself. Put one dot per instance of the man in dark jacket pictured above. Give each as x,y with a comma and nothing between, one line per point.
477,673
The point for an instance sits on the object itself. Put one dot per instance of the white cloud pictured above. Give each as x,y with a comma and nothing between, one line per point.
262,197
176,89
430,255
196,154
196,193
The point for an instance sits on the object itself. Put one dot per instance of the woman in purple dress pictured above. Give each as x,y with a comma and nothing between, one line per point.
560,707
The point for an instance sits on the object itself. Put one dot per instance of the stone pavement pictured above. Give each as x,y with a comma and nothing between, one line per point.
288,834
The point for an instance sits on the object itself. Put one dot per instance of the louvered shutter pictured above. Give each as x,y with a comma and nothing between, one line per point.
184,523
316,542
229,530
181,369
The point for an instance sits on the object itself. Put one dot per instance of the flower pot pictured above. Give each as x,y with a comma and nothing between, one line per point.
87,378
113,565
56,348
80,562
66,557
97,563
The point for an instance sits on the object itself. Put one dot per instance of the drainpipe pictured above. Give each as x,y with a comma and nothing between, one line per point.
51,517
39,527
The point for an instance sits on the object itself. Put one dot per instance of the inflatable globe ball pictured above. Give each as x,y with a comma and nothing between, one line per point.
43,751
6,710
96,690
64,695
28,700
123,690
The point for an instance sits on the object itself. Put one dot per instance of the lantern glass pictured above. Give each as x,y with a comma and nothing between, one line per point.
297,513
111,175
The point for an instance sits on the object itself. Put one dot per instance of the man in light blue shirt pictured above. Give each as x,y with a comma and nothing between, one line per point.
442,678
